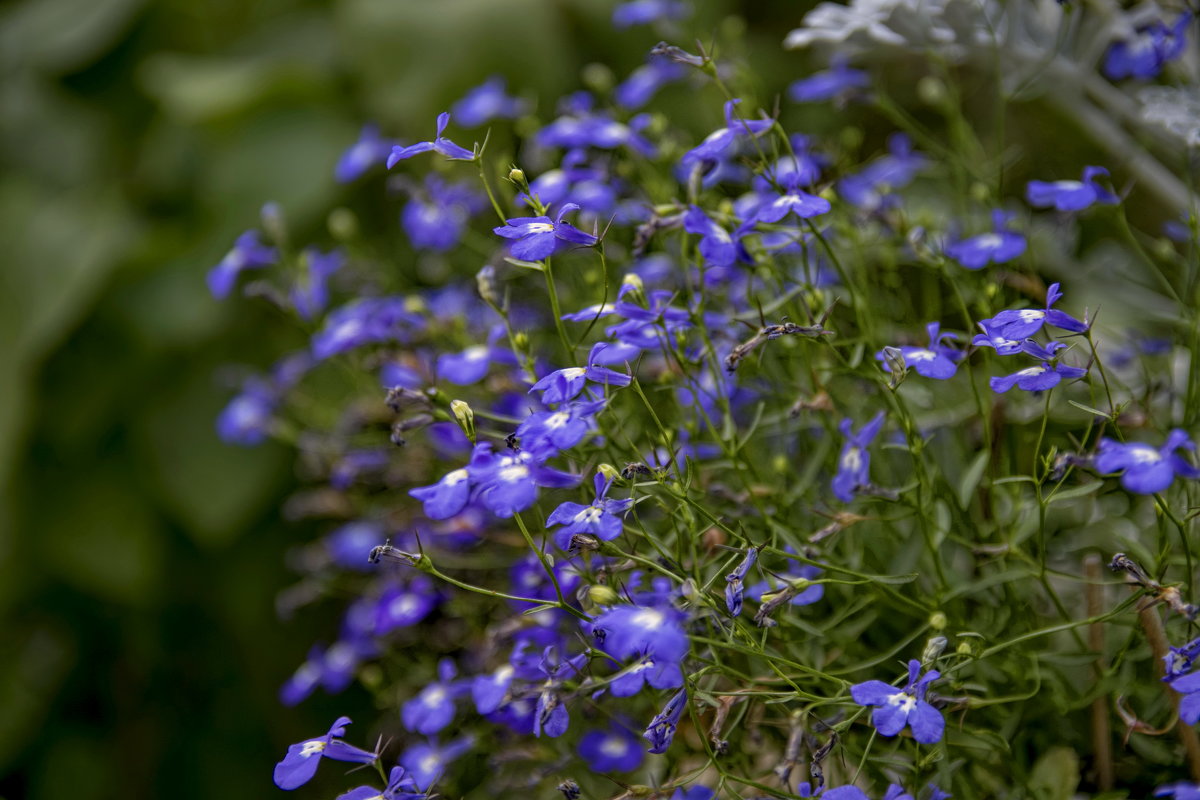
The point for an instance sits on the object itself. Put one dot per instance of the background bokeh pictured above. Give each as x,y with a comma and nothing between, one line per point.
140,652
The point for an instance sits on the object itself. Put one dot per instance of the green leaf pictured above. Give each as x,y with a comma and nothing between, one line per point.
1090,410
971,478
533,265
1055,775
1076,491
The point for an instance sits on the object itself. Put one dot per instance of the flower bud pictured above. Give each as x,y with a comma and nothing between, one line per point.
521,341
342,224
980,192
465,418
599,78
931,90
893,359
609,471
964,649
516,175
273,222
933,649
602,595
937,621
485,283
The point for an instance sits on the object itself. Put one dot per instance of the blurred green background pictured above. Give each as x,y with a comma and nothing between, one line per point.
140,653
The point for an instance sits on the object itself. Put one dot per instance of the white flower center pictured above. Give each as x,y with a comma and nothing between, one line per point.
477,353
558,420
1031,315
311,748
404,605
614,746
920,355
430,763
1067,186
517,472
589,515
852,459
989,241
902,700
434,697
1144,455
1031,371
540,227
648,618
456,477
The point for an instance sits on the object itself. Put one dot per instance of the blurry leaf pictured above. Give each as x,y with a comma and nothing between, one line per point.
1055,775
215,489
34,665
101,537
971,477
62,35
1075,492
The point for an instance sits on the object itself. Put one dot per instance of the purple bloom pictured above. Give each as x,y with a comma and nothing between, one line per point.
247,253
838,81
644,12
845,793
1146,51
719,144
869,188
1145,470
734,582
998,247
935,361
696,792
310,296
718,248
582,128
537,238
1070,195
614,750
304,680
433,708
563,385
661,729
487,102
657,673
440,144
1180,791
600,519
896,709
447,497
563,428
369,150
247,419
401,607
426,762
1023,323
401,786
300,763
644,82
627,631
364,321
854,462
1036,379
508,483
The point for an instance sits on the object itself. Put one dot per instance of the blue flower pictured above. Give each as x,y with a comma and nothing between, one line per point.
644,82
1145,470
720,143
854,462
613,750
718,248
302,759
247,253
660,673
248,417
403,606
563,428
870,188
1039,378
508,483
563,385
794,200
1144,54
1021,324
440,144
433,708
627,631
369,150
644,12
600,519
661,730
935,361
896,709
839,81
401,786
1180,791
487,102
310,295
1070,195
998,247
426,762
447,497
536,238
364,321
734,582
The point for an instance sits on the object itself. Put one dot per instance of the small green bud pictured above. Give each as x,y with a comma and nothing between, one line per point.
602,595
609,471
599,78
521,341
516,175
964,649
937,621
980,192
780,464
485,283
342,224
931,90
851,138
1164,248
465,417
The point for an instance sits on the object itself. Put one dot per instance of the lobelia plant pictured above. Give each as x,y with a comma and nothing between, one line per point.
544,523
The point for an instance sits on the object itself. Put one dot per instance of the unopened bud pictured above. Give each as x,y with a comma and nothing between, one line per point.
342,224
598,77
465,418
893,359
609,472
964,649
934,649
485,282
602,595
521,341
931,90
937,621
980,192
516,175
273,222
